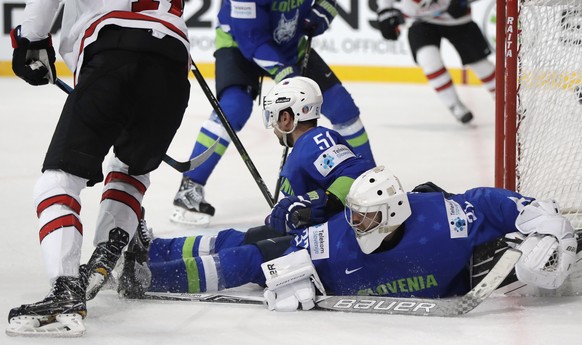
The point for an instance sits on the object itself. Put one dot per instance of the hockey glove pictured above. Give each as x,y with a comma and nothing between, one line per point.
295,212
320,17
388,20
34,62
291,282
429,187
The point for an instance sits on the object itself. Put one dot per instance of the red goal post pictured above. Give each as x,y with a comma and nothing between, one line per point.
538,144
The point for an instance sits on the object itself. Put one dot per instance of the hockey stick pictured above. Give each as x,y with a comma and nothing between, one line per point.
453,306
232,134
286,149
180,166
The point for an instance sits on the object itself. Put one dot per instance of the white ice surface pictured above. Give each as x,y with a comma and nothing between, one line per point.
411,132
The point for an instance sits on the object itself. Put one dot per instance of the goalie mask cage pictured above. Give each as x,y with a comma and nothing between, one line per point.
538,149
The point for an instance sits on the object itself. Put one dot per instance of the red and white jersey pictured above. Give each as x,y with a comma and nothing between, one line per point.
82,20
439,12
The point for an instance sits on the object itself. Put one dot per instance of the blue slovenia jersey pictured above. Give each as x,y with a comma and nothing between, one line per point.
431,259
322,159
266,31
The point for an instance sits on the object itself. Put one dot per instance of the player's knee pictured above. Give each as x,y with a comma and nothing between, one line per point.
429,59
339,106
57,182
237,104
482,68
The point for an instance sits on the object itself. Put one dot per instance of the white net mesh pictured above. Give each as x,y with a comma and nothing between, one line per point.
550,104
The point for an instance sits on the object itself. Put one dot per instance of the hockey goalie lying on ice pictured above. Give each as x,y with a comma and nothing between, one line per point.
388,242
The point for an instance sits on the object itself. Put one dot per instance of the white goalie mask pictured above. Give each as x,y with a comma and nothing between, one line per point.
302,95
375,206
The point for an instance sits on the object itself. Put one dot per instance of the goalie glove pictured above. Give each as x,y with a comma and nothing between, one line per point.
294,212
34,62
291,282
320,17
388,21
549,250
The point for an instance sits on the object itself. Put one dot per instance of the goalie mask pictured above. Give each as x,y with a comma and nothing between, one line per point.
299,94
376,205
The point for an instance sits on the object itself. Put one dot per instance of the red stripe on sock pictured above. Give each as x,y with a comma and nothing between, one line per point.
62,199
444,87
437,73
59,223
124,198
125,178
489,78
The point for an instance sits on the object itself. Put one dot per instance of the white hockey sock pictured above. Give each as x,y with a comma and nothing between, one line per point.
429,59
57,199
121,201
485,70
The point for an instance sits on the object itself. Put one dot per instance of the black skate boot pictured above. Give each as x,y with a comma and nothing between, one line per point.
60,314
96,272
461,113
136,276
189,205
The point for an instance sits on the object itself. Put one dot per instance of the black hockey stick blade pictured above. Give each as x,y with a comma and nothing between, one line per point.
453,306
194,162
180,166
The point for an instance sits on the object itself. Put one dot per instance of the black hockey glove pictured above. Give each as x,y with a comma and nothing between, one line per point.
429,187
388,20
34,62
295,212
320,17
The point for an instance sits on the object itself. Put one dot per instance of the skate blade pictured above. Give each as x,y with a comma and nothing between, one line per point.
63,326
182,216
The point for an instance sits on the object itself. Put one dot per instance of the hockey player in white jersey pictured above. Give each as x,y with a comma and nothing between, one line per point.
131,62
433,20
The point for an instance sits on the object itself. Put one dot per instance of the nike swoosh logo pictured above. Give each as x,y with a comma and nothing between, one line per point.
352,271
327,75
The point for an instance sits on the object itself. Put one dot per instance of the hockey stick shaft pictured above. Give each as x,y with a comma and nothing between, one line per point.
179,166
286,149
233,136
447,307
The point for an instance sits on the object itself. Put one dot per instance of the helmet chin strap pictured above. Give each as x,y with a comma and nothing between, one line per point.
287,139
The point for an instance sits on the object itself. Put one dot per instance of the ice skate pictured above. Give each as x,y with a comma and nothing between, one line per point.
461,113
60,314
136,276
97,271
190,208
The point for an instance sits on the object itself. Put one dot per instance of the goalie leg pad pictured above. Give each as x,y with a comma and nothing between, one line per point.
546,262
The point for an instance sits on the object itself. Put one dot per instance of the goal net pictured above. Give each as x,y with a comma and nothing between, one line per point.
539,101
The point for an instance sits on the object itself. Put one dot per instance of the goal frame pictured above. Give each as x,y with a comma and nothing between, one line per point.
506,55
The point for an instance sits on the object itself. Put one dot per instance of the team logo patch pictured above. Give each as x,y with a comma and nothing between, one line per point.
319,241
243,10
286,28
458,223
331,157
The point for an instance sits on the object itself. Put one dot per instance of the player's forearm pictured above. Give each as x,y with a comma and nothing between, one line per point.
38,18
